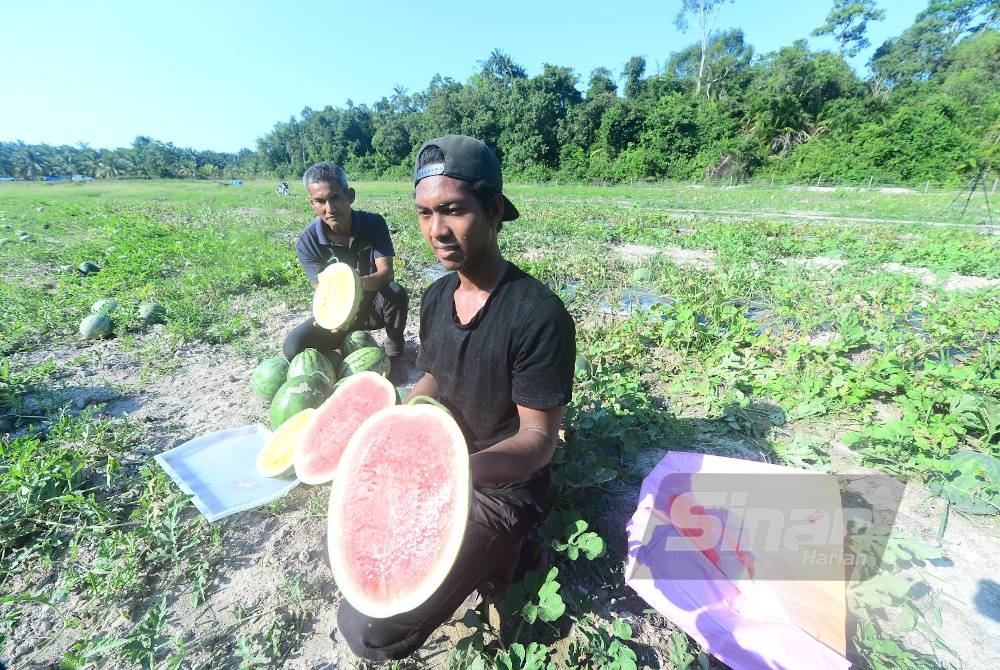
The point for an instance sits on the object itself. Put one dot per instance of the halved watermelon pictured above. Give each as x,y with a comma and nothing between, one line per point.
337,296
324,439
399,505
275,458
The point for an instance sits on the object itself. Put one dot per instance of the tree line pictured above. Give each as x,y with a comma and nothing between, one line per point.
928,111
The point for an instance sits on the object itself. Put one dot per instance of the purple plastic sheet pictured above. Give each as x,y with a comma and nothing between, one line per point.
720,598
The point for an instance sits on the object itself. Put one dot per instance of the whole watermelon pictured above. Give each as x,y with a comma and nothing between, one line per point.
297,394
152,312
367,358
88,268
357,339
105,306
310,361
96,326
268,377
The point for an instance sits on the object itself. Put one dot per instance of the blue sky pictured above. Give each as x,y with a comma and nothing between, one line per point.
214,74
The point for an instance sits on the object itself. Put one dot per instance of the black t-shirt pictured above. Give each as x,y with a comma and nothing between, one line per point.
519,349
369,239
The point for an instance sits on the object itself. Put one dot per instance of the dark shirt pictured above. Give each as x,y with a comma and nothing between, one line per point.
519,349
369,239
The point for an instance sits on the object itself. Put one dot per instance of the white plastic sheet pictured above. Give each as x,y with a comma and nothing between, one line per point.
219,471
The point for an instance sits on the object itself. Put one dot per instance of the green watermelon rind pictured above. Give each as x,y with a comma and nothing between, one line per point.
96,326
357,339
367,359
104,306
152,312
268,377
309,361
297,394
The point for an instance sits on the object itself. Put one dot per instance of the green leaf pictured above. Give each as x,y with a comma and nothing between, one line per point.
592,545
621,629
970,481
550,603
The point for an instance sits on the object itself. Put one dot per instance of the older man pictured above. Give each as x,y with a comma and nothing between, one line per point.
361,239
497,348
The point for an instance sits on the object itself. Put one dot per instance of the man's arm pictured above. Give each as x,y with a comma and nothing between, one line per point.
426,385
523,453
381,277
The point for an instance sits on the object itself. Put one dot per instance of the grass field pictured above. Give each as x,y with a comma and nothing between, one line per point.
828,330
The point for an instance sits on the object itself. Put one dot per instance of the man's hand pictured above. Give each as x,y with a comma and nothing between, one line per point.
381,277
335,331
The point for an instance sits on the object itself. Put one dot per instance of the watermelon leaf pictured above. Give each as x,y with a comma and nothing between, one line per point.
970,481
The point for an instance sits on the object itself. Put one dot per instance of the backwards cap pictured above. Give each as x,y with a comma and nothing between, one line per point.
470,160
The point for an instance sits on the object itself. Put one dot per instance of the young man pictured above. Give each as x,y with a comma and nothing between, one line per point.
497,348
360,239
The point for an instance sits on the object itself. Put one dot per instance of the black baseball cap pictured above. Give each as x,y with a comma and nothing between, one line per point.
468,159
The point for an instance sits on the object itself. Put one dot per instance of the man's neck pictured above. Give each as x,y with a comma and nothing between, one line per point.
340,238
485,277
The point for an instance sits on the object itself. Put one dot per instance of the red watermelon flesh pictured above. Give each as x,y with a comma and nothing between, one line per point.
329,429
398,509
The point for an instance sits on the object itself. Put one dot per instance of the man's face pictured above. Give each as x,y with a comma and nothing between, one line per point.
454,223
332,203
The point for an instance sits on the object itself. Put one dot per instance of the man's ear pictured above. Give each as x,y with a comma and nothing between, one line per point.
496,209
351,195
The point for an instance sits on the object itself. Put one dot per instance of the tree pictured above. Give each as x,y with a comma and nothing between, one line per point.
925,47
847,23
707,12
632,73
601,82
501,67
725,65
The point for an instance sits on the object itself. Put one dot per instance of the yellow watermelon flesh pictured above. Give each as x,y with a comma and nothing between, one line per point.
337,296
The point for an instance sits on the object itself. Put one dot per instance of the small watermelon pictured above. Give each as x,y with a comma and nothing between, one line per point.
310,361
96,326
105,306
367,358
268,377
357,339
88,268
297,394
152,312
26,237
641,275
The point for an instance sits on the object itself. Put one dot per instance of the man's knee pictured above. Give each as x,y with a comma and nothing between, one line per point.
397,295
294,344
375,639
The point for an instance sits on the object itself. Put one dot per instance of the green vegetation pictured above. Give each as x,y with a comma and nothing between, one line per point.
718,110
751,352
